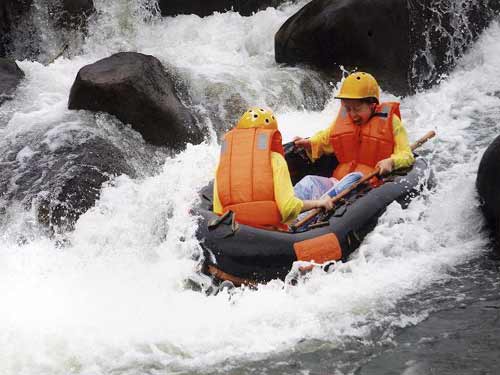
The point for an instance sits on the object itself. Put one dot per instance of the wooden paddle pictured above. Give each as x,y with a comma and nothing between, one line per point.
366,178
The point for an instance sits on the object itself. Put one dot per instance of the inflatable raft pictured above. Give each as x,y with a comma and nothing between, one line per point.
246,255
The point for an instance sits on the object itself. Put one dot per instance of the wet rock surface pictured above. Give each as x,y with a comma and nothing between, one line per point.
10,77
136,89
204,8
440,33
71,14
60,184
11,12
488,185
406,45
353,33
23,23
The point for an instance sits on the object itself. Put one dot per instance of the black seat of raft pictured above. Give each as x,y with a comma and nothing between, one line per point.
300,165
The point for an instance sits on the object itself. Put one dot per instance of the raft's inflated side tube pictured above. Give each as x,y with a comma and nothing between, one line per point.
251,254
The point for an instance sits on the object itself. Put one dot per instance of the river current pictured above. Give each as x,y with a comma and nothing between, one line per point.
114,297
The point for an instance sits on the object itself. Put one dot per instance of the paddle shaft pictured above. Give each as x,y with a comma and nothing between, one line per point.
366,178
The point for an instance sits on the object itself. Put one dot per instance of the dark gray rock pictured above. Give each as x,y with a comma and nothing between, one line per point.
60,184
71,14
353,33
488,185
138,91
10,76
77,191
407,45
11,12
204,8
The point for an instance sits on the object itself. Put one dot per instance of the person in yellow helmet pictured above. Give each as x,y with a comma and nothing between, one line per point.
252,177
365,135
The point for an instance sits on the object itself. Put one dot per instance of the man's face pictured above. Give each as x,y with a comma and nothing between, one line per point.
359,111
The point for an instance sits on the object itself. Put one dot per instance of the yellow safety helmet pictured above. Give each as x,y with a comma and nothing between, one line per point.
257,117
359,85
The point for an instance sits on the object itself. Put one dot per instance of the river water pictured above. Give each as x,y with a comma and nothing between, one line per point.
420,296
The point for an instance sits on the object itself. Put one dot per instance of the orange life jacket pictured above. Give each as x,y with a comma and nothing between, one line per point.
360,147
245,176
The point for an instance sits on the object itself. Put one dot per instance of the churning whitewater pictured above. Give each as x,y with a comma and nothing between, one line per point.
115,295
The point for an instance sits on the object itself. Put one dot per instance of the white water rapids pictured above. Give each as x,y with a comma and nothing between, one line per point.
113,300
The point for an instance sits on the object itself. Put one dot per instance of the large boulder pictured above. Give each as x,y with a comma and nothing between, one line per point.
407,45
204,8
488,185
137,90
11,11
60,183
10,76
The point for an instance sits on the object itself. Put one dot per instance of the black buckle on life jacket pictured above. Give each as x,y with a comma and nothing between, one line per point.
380,114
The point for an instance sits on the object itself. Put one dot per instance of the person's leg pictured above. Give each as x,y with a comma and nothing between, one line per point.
312,187
347,181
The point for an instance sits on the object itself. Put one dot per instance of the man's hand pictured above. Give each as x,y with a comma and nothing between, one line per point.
302,143
386,166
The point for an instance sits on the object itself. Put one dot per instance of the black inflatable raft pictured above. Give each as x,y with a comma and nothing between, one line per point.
244,255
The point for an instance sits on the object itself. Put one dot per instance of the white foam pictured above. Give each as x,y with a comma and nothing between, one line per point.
24,155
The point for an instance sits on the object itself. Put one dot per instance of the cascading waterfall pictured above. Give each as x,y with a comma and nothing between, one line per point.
113,295
440,41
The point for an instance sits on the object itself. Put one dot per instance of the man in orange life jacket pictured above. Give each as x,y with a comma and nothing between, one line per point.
252,178
366,134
